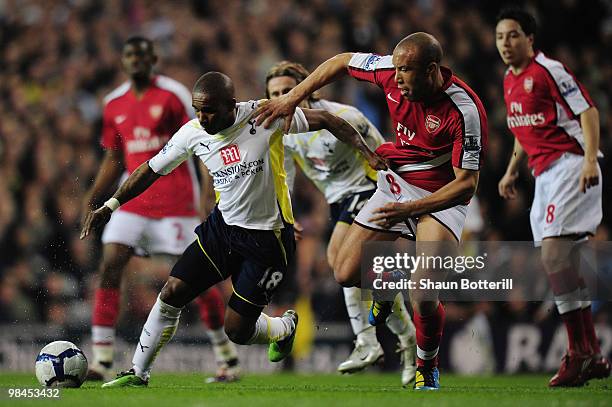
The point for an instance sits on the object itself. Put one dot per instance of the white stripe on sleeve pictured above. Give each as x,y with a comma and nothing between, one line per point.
472,144
569,89
370,62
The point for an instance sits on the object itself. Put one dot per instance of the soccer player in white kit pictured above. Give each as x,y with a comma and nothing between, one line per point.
555,125
139,117
248,236
347,182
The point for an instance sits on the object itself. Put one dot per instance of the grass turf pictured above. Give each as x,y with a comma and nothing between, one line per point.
292,390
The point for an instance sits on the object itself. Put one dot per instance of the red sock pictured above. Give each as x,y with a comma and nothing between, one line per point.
576,332
212,308
428,335
106,307
589,329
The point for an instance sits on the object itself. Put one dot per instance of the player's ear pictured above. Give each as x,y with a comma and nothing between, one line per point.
431,68
530,39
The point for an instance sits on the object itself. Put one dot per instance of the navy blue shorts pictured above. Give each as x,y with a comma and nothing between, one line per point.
256,260
346,210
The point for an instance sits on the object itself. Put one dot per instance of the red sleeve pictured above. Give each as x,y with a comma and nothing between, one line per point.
111,139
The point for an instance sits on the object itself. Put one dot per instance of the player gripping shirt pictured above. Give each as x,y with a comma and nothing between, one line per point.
543,106
431,138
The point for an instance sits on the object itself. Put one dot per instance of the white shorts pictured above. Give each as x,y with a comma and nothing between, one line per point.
559,208
392,188
169,235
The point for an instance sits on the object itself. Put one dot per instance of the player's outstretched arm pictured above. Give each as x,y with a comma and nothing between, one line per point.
284,106
109,172
456,192
341,129
138,181
589,121
506,186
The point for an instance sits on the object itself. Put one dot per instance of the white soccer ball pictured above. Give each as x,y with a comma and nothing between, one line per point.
61,364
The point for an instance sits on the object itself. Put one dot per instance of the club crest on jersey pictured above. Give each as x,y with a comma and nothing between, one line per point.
120,119
156,111
432,123
528,84
230,154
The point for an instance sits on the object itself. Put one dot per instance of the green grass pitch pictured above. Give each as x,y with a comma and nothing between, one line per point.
293,390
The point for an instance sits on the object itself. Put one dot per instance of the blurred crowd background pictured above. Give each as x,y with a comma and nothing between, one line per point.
59,58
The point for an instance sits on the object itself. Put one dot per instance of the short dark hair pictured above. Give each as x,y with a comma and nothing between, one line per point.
137,40
526,20
294,70
216,84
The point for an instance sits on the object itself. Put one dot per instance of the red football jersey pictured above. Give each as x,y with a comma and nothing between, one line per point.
140,128
543,103
431,138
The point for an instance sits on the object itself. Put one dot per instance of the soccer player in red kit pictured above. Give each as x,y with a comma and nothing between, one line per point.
441,130
556,125
139,118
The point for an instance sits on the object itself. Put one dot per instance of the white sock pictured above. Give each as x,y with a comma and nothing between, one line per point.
223,349
585,298
271,329
568,302
103,344
357,311
217,336
157,331
399,321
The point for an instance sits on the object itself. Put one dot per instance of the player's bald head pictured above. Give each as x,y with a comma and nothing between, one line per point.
422,48
216,85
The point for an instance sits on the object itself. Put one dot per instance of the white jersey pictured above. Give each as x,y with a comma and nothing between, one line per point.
246,164
336,168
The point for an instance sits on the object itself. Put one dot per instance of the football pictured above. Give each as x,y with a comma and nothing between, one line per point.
61,364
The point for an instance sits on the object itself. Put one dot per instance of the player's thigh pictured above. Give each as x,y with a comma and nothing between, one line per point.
116,255
204,262
335,241
347,264
266,257
433,239
557,253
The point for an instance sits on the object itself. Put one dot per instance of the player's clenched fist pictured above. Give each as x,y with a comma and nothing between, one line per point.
507,185
589,176
95,219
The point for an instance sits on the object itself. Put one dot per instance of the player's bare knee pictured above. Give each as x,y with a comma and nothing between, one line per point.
239,334
110,273
555,258
332,254
345,277
175,292
423,307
